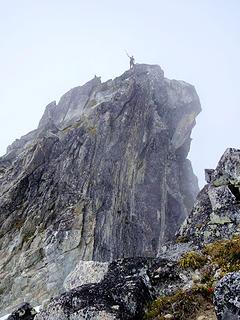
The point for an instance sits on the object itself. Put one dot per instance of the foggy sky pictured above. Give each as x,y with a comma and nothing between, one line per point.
48,47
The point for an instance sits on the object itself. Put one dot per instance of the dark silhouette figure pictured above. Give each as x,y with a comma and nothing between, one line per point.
132,60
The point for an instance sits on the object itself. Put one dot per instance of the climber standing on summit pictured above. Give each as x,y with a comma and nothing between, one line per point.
132,60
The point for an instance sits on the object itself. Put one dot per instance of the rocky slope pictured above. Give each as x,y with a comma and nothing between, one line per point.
104,176
182,280
216,212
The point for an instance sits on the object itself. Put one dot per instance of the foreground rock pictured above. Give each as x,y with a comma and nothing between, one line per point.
24,312
186,274
216,213
227,297
86,272
126,289
124,292
104,176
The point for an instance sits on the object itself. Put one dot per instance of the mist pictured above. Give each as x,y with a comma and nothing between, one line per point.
48,47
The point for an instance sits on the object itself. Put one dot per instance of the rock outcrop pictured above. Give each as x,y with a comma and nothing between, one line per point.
127,287
227,297
216,213
104,176
183,277
86,272
24,312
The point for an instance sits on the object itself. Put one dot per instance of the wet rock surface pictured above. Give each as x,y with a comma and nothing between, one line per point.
104,176
216,213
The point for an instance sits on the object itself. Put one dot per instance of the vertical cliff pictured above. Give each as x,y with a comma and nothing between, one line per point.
104,176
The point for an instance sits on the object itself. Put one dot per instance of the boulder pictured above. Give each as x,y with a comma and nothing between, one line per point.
227,297
124,292
23,312
86,272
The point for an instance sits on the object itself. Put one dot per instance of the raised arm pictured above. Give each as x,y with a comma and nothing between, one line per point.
127,54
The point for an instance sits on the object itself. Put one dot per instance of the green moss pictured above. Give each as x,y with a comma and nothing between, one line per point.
225,253
208,276
193,260
183,304
182,239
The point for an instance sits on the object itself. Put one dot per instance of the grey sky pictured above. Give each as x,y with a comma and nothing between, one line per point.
50,46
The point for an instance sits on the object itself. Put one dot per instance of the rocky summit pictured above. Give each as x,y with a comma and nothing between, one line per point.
104,176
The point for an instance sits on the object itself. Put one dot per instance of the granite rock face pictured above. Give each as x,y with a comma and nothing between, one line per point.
104,176
227,297
216,212
86,272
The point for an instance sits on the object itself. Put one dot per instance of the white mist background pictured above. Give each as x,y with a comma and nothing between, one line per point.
48,47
